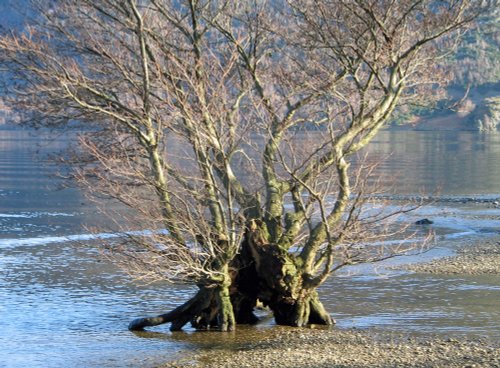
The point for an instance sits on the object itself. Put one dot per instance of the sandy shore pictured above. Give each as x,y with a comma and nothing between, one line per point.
289,347
320,348
479,258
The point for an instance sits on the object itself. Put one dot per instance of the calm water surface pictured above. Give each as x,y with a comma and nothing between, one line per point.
454,163
63,306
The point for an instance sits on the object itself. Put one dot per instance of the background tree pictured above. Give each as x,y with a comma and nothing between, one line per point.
229,130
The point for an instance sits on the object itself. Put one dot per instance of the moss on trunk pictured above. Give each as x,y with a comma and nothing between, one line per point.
260,272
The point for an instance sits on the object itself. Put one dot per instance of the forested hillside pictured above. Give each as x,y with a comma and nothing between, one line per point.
471,101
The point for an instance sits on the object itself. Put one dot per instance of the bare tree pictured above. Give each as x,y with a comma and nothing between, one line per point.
230,129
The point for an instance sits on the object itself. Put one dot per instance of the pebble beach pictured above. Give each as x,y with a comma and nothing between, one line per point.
334,347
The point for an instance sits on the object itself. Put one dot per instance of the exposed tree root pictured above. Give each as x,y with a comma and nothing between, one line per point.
192,310
260,272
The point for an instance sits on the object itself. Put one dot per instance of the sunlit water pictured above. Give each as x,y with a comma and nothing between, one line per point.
62,305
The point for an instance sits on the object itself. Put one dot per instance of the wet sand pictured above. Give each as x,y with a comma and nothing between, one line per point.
479,258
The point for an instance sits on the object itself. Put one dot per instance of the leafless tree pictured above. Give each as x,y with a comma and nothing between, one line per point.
230,130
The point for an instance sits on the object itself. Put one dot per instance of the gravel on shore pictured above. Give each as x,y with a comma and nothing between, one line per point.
283,347
479,258
300,348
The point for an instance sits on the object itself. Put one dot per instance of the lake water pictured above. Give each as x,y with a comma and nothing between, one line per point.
63,306
453,163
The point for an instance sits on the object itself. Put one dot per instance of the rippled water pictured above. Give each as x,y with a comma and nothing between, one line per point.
62,305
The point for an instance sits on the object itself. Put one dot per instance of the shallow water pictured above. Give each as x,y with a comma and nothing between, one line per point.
62,305
446,305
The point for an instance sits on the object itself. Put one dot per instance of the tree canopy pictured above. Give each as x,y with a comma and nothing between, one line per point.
232,131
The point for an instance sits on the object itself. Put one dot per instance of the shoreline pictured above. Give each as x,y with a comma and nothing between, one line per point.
289,347
482,257
319,348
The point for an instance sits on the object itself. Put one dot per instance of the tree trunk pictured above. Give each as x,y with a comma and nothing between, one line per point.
260,272
281,286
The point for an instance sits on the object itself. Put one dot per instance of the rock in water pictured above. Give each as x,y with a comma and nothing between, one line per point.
424,222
